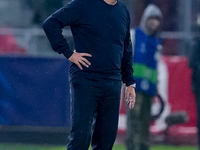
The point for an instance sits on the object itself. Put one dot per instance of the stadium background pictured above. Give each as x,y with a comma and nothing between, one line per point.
35,110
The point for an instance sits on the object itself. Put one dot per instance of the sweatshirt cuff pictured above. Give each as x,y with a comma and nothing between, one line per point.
130,82
68,53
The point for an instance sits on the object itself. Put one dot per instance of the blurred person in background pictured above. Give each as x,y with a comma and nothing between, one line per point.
146,50
101,61
194,63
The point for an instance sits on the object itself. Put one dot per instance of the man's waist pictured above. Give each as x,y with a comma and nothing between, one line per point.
96,75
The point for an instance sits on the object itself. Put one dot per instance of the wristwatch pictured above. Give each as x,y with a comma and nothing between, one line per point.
133,85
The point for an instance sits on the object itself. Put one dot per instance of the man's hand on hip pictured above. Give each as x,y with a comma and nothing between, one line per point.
130,96
79,59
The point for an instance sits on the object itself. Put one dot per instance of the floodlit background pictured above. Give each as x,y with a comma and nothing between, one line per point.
35,107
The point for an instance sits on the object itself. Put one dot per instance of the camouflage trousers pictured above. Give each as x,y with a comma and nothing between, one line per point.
138,123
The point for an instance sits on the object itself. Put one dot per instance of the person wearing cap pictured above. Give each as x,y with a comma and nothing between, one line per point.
146,52
102,59
194,63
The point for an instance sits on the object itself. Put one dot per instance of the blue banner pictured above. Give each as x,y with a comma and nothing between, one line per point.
34,91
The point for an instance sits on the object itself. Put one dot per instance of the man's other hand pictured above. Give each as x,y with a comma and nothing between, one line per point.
130,96
79,59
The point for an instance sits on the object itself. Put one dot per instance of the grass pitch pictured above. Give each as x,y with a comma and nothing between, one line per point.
8,146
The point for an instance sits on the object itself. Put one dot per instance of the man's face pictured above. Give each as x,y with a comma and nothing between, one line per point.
152,24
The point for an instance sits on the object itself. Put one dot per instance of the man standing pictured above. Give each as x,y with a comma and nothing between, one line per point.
147,46
194,63
101,59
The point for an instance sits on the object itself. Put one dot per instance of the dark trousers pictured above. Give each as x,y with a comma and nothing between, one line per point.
94,97
197,97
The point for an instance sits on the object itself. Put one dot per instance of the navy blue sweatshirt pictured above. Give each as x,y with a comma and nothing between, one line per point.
99,29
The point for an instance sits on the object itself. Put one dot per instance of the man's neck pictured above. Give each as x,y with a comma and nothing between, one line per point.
111,2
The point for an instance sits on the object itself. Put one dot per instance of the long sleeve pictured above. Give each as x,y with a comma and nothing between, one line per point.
194,57
68,15
127,62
